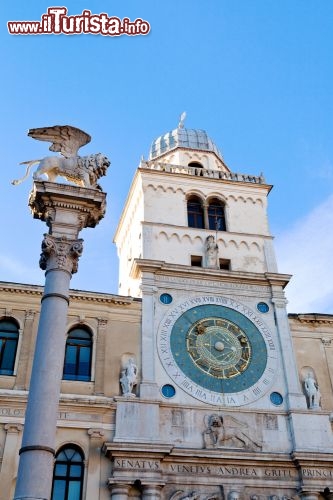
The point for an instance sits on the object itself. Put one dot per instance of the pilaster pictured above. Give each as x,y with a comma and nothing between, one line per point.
148,387
295,397
24,367
94,462
100,356
9,460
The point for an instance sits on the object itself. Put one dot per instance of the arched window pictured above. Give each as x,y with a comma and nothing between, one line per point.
68,474
216,217
195,213
195,164
8,345
77,365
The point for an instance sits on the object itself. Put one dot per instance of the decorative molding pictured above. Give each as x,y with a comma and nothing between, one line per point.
102,323
280,303
30,314
13,428
326,319
95,433
16,288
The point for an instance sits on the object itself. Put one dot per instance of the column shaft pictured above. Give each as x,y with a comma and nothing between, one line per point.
119,491
36,459
151,492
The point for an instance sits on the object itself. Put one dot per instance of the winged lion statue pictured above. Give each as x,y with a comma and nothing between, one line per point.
67,140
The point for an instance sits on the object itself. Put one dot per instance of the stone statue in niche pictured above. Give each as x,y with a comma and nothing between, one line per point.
219,435
211,259
312,391
129,378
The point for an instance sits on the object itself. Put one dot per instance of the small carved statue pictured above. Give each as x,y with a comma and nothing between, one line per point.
233,495
211,253
129,378
312,391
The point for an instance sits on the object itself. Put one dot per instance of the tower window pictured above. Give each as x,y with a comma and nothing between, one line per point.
195,213
196,260
216,217
77,365
224,264
195,164
68,474
8,345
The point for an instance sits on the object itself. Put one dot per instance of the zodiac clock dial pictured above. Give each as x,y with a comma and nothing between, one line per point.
217,350
218,347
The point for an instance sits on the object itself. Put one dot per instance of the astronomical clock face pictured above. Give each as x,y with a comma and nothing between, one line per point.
217,350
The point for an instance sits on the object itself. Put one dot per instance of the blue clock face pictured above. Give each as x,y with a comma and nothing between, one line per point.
220,354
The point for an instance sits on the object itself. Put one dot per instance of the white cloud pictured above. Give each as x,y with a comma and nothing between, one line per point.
14,270
306,252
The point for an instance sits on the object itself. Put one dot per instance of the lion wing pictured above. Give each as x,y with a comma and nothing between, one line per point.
65,139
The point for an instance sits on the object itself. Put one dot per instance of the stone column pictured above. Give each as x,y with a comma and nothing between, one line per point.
9,465
151,492
66,210
205,213
119,491
94,462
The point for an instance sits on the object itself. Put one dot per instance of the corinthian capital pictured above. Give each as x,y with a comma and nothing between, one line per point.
60,253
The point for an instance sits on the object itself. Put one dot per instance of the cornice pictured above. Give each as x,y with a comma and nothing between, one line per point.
161,267
78,295
179,175
312,318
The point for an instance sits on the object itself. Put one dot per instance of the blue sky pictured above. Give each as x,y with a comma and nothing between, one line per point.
257,75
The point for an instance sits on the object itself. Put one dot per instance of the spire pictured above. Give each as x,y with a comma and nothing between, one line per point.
182,119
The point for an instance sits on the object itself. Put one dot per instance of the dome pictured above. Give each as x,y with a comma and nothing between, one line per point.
182,138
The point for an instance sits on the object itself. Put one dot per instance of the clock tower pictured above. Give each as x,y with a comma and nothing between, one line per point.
217,367
194,243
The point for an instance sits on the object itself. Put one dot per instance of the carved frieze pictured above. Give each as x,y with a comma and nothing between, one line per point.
230,434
